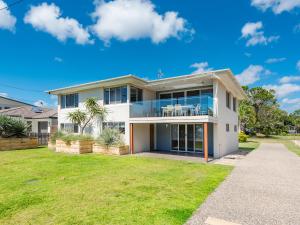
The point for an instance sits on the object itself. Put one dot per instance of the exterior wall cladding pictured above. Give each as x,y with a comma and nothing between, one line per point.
221,140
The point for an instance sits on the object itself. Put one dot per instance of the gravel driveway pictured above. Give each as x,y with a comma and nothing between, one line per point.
263,189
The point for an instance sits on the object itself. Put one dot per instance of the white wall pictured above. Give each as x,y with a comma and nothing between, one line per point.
224,142
141,135
116,112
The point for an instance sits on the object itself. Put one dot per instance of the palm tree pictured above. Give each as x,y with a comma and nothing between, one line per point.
84,117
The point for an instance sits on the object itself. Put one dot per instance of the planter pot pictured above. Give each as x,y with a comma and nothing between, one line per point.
51,145
122,150
18,143
75,147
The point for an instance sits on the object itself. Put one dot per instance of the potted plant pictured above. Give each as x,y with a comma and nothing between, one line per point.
13,134
77,144
110,142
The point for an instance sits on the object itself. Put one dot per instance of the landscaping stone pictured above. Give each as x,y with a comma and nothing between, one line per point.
18,143
123,150
51,145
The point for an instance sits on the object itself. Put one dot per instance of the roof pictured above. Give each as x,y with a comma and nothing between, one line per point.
225,76
30,112
14,100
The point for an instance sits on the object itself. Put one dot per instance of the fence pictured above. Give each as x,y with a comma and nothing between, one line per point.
43,138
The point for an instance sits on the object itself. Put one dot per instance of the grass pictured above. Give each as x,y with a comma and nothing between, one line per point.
250,145
286,140
43,187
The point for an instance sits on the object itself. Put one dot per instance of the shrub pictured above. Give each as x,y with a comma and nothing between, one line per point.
243,137
67,138
10,127
111,137
55,136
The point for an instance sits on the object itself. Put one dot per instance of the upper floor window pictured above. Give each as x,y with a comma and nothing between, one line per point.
69,101
115,95
228,99
235,128
136,94
234,104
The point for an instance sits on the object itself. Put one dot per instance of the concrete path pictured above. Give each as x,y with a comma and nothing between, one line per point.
263,189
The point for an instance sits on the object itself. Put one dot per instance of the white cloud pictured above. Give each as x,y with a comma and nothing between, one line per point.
7,20
254,34
135,19
248,54
47,17
252,74
288,79
201,67
275,60
283,90
298,65
40,103
3,94
58,59
277,6
291,104
291,101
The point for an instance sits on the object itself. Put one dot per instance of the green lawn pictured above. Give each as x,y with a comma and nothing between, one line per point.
250,145
286,140
43,187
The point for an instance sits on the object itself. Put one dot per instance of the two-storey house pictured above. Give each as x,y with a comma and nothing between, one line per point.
195,113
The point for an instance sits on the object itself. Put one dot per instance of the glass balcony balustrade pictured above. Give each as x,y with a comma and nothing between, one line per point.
188,106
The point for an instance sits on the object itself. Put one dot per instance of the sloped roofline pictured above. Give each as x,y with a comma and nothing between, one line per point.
133,78
14,100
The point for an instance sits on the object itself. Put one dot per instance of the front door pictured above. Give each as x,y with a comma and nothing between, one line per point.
187,137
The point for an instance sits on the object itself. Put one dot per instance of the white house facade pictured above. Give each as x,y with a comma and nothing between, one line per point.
195,113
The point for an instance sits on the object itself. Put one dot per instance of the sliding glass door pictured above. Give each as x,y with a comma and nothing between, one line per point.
199,138
187,137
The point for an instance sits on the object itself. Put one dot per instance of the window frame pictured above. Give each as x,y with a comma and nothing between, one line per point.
68,101
138,96
228,100
234,104
227,127
74,128
235,128
119,93
118,125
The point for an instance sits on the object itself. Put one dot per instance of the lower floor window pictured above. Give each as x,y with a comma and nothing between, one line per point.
235,128
69,127
115,125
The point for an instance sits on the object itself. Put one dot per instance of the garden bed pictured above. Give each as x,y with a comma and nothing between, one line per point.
75,147
51,145
18,143
110,150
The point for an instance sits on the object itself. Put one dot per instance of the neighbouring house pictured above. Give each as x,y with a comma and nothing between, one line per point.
7,103
195,113
39,120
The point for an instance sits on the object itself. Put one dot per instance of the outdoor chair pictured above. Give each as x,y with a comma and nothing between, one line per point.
178,110
168,111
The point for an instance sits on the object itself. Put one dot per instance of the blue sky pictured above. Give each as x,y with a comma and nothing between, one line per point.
50,44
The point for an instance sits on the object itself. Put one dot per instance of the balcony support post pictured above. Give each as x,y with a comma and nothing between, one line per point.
131,138
205,144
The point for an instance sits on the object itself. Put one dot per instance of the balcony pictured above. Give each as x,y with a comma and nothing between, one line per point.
179,107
